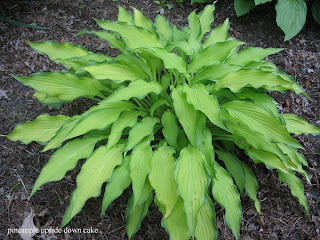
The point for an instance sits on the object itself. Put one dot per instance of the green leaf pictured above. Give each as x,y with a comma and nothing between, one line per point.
119,181
260,120
234,167
251,187
116,71
316,10
18,24
226,194
78,62
198,96
94,172
135,215
124,16
140,168
126,119
258,2
163,27
180,45
41,130
178,35
61,134
170,60
293,161
251,54
194,33
271,160
158,104
161,178
214,72
141,21
192,181
213,54
98,117
45,99
113,41
66,86
291,16
218,34
260,98
235,81
298,125
64,160
58,51
176,223
206,18
296,187
137,89
134,37
141,130
206,222
258,147
243,6
242,175
186,113
170,128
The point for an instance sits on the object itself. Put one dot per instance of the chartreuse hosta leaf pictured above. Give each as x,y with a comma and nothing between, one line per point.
96,170
65,159
115,71
161,178
41,130
139,168
58,52
206,222
298,125
192,180
119,181
243,176
176,223
66,86
218,34
227,195
164,113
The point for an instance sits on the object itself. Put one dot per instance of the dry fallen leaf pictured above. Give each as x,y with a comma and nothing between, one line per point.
28,229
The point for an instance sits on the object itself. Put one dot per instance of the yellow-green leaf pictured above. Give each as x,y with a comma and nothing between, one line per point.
119,181
213,54
198,96
298,125
227,195
136,89
66,86
94,172
192,181
161,177
139,168
64,160
141,130
218,34
206,222
296,187
41,130
117,72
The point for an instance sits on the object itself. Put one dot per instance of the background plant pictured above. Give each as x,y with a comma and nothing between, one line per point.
291,14
176,100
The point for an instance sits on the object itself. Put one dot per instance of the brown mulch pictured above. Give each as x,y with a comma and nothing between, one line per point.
282,217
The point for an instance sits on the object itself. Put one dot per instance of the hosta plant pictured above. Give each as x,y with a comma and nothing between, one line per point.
173,109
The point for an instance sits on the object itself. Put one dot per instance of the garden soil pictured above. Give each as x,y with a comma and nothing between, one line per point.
282,217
